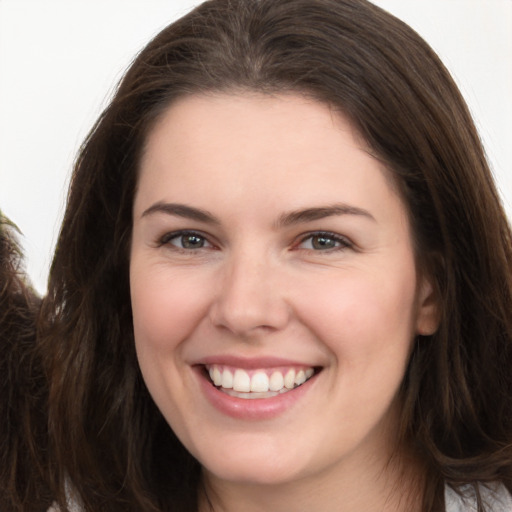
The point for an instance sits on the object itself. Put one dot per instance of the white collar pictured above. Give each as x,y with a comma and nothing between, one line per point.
495,496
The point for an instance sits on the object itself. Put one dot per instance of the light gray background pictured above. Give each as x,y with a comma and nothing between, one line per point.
60,61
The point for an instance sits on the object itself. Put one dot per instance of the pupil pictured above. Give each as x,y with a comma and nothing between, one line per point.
323,242
192,241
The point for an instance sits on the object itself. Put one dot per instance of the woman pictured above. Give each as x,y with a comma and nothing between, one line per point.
23,390
283,280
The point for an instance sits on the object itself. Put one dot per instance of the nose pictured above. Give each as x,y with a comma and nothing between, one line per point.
250,299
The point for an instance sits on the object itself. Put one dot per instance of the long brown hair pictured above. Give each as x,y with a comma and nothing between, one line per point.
23,387
109,440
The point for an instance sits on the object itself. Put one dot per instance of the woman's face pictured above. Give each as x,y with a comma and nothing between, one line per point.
274,288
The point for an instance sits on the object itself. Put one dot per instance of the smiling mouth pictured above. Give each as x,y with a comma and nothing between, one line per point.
262,383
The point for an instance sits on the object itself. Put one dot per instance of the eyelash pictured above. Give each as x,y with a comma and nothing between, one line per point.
343,243
168,237
340,242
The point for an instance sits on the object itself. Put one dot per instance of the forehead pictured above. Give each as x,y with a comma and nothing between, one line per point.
260,143
255,115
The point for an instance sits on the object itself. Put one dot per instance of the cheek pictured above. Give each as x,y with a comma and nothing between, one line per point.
166,309
166,306
362,316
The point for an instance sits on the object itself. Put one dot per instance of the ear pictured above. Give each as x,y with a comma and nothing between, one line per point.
429,310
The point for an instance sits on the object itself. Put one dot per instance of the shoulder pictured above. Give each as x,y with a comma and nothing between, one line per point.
73,503
72,507
496,498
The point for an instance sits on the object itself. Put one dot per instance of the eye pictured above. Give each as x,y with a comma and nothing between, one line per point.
323,241
188,240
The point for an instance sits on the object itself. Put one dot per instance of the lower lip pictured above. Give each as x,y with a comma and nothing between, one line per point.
253,408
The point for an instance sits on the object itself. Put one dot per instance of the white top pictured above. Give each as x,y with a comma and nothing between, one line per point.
496,499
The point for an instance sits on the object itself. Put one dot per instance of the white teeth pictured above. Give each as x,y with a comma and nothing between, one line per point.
241,381
289,379
261,381
300,378
276,381
227,379
217,376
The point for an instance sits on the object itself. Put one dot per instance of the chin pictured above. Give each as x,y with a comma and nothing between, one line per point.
254,470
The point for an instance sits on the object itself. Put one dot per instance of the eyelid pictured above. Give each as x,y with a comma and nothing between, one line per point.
171,235
345,243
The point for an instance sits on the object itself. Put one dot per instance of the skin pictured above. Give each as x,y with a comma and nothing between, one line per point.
255,285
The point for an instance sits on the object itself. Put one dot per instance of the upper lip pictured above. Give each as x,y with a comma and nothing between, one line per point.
251,363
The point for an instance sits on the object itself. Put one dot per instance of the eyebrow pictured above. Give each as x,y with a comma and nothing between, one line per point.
312,214
182,210
286,219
